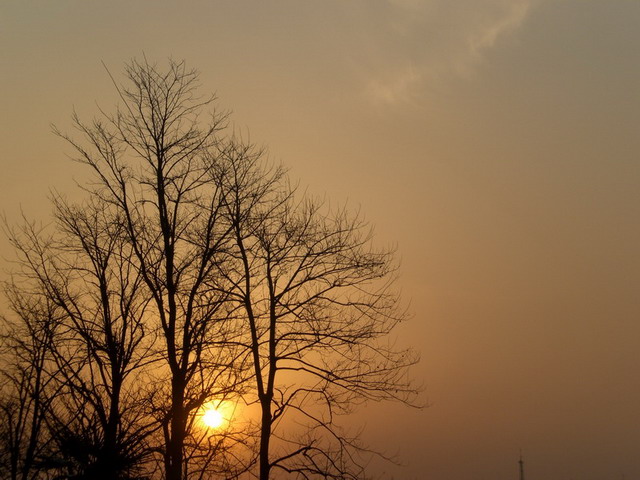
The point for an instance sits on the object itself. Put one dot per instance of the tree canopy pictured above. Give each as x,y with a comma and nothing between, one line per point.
192,273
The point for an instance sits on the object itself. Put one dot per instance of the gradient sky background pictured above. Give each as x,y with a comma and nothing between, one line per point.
495,142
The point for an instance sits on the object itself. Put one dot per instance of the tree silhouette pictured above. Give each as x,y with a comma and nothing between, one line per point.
98,343
150,159
319,306
193,272
27,385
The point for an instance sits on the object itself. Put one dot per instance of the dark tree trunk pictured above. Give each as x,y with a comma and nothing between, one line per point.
265,436
176,442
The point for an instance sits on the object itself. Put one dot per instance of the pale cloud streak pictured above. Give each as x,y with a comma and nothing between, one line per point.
431,41
396,88
487,36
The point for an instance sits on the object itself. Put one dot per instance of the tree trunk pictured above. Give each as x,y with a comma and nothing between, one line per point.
265,436
176,442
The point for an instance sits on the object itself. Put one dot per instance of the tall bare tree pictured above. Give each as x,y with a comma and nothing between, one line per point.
319,307
151,160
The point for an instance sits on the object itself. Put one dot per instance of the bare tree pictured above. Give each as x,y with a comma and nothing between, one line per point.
83,268
319,308
27,386
194,273
151,160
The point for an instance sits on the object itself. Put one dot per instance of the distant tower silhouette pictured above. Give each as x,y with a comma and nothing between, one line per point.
521,462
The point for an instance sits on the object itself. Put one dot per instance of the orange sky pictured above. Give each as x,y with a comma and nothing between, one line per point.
494,141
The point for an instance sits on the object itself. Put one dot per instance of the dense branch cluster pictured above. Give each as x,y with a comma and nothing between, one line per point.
192,274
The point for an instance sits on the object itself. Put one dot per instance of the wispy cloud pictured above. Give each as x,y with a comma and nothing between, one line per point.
429,41
395,88
487,35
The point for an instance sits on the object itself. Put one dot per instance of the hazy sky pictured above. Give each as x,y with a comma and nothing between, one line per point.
496,142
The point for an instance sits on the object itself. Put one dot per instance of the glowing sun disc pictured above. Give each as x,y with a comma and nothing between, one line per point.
212,418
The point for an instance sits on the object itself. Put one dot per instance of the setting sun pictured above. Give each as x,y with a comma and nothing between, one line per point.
212,418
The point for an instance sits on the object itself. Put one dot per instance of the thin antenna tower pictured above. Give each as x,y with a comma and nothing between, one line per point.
521,463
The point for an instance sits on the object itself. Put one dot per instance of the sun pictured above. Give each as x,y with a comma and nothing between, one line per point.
212,418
